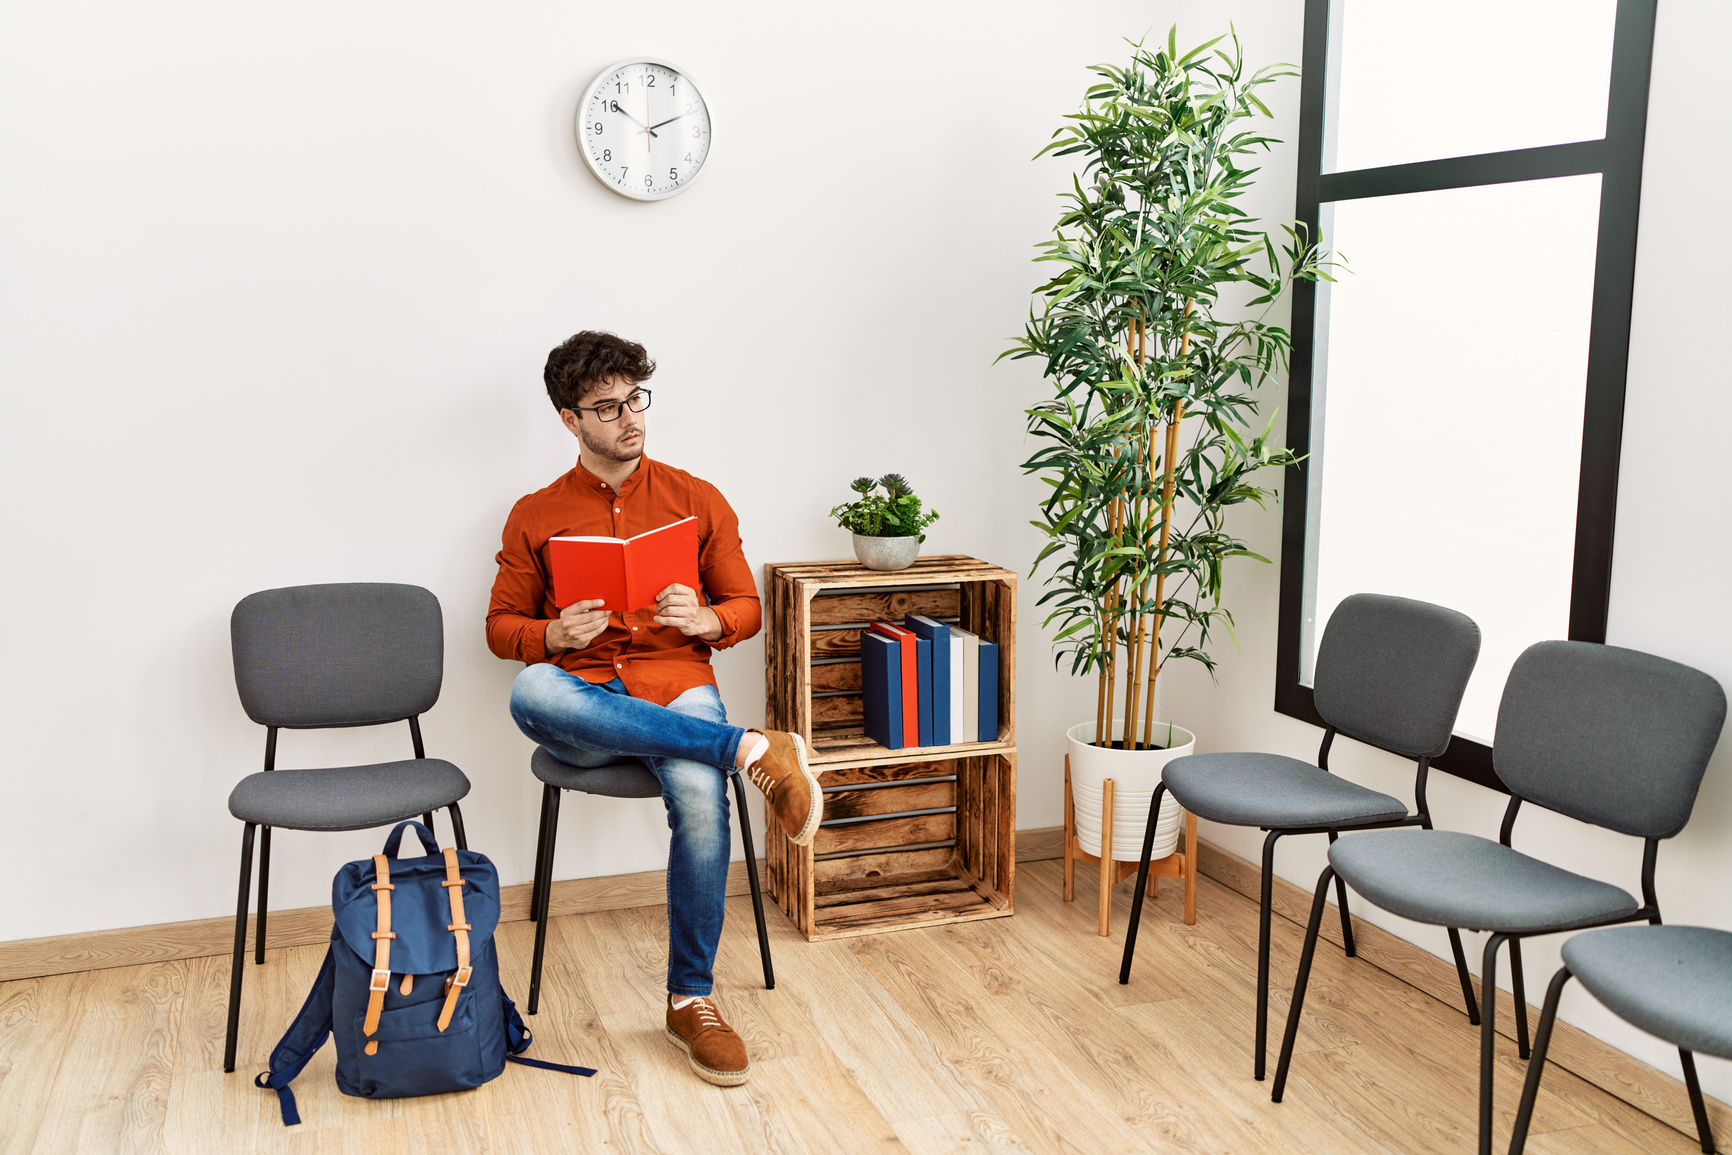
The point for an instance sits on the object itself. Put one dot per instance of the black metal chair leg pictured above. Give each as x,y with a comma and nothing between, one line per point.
427,821
544,868
1291,1035
1518,987
1704,1130
239,967
264,894
457,830
540,849
1142,884
1466,979
1537,1065
1265,911
1347,943
1487,1037
757,884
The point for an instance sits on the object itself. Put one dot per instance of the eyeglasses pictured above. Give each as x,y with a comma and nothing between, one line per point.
610,410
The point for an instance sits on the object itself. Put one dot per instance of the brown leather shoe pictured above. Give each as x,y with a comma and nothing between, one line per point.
715,1052
790,788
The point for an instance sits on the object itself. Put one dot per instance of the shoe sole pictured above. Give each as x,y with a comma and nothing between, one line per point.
719,1078
815,815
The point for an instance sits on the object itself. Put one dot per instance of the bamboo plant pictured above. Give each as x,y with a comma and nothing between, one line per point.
1153,332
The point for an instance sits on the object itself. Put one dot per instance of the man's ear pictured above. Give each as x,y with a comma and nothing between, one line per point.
571,419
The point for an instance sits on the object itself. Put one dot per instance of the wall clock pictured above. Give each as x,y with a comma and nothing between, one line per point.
644,129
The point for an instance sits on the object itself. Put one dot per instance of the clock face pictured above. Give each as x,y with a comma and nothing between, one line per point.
644,129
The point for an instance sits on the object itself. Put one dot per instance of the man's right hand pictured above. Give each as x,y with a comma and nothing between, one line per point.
576,626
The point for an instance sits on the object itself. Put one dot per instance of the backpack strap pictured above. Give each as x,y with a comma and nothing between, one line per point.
381,948
302,1040
459,979
518,1038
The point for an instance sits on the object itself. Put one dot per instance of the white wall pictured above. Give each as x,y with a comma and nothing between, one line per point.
276,286
1669,580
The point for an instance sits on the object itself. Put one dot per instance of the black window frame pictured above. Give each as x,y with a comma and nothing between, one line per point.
1617,157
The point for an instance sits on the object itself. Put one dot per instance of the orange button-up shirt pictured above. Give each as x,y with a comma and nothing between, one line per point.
656,663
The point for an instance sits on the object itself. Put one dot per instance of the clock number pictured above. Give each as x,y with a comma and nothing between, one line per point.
607,154
648,181
622,173
613,106
649,80
688,158
674,175
621,86
697,131
598,127
674,90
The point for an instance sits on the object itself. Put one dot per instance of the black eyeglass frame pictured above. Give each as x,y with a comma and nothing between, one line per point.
619,406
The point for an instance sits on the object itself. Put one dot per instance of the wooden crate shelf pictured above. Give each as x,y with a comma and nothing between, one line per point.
911,837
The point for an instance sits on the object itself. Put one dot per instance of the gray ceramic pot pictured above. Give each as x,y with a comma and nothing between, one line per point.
886,552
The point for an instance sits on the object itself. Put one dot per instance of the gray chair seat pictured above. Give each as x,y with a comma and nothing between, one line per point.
626,778
1271,790
1672,981
1447,878
347,797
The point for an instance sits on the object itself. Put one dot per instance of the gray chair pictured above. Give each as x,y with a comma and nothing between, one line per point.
323,657
625,778
1605,735
1390,672
1675,982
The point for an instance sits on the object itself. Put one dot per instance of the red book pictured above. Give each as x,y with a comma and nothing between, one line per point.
625,573
910,677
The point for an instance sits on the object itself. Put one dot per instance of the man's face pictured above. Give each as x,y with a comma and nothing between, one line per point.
620,440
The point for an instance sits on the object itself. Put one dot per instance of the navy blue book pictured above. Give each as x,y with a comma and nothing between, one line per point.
938,634
881,688
923,687
988,691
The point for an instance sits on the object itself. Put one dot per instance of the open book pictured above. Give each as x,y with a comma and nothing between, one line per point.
625,573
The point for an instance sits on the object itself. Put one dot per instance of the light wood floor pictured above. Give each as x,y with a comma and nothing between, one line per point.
1007,1035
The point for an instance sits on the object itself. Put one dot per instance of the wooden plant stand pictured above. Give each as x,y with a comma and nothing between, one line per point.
912,837
1181,864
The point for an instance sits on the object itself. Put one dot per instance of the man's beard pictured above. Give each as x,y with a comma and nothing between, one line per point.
608,452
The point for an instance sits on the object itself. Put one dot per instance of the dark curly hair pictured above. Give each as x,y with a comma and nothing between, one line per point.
584,362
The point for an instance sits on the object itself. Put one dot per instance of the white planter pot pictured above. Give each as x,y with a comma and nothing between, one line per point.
1135,774
886,552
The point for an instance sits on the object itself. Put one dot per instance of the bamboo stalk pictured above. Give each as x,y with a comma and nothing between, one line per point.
1170,465
1133,684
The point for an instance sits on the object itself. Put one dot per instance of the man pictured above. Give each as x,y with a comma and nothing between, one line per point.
601,683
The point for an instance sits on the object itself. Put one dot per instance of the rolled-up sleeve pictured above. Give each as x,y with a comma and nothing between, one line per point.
515,628
726,574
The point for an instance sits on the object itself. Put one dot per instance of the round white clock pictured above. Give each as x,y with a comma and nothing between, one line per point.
644,129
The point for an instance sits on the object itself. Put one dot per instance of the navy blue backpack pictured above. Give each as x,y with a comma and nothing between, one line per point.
410,984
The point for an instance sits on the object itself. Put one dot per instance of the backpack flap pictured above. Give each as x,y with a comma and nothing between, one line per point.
420,911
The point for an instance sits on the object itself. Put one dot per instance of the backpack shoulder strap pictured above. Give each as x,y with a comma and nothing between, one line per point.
518,1039
302,1040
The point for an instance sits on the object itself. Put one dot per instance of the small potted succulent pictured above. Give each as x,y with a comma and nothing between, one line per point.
888,527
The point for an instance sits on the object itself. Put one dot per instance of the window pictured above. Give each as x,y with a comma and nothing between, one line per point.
1458,392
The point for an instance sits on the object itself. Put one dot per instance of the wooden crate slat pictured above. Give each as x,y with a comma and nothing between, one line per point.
895,772
840,710
853,913
950,883
884,832
881,868
836,642
889,800
888,605
836,676
945,874
903,920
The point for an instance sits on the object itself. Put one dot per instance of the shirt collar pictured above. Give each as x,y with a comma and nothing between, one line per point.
590,481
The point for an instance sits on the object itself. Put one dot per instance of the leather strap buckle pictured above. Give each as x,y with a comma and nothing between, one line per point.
461,978
381,980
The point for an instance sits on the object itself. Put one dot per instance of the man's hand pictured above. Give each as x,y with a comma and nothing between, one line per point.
576,626
678,606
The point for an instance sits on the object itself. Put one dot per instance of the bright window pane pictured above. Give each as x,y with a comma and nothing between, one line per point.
1412,81
1450,372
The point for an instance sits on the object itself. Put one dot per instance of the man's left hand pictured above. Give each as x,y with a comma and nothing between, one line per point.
679,606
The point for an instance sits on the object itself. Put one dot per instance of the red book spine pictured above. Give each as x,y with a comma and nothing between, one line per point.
906,639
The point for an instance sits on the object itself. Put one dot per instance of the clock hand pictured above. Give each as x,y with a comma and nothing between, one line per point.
641,125
669,120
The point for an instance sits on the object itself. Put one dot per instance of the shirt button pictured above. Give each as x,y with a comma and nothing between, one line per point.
619,665
616,509
634,629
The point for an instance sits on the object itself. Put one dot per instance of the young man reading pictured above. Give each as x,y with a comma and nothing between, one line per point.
601,683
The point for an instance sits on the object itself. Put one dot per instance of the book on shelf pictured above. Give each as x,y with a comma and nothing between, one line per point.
988,690
937,702
970,662
881,688
908,641
625,573
958,658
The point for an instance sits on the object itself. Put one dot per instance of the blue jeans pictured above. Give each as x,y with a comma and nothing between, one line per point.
685,744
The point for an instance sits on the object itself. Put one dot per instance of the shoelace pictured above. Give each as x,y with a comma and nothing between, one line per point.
707,1017
759,777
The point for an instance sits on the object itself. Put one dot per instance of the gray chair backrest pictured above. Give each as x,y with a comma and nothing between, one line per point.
1391,671
349,654
1611,736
